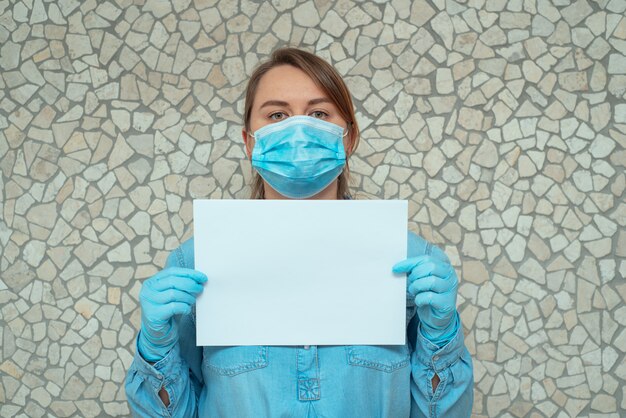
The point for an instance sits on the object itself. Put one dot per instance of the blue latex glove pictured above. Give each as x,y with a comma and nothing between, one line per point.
433,283
168,293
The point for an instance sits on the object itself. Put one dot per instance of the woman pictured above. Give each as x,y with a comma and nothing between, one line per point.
299,127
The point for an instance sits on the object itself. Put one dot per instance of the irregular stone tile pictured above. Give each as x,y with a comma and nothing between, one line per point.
470,118
576,12
79,45
442,25
617,63
444,82
306,15
9,55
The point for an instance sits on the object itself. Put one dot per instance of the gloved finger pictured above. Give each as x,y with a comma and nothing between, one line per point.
180,271
184,283
444,302
160,319
430,268
408,264
430,284
156,319
170,295
177,308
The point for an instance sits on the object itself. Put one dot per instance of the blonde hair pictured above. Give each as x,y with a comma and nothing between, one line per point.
326,78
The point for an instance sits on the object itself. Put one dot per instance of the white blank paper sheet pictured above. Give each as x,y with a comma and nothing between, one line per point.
300,272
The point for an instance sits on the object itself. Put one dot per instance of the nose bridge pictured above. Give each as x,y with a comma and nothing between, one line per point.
301,125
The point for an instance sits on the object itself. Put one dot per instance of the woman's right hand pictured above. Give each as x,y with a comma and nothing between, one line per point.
170,292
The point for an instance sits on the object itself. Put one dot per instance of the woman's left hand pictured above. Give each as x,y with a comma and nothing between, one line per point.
433,283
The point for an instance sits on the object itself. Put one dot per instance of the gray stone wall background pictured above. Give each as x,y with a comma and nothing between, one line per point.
502,122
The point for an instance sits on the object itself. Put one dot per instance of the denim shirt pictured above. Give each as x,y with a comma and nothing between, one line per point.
305,381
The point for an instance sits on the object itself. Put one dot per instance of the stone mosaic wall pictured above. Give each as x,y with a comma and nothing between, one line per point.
503,123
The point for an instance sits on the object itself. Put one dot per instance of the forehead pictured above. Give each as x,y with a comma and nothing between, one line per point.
287,83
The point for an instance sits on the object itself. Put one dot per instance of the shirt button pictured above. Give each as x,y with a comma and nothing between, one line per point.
435,358
306,347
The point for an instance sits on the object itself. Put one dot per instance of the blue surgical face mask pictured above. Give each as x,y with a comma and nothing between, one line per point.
300,156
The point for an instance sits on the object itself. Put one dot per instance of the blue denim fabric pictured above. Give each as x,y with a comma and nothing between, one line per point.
305,381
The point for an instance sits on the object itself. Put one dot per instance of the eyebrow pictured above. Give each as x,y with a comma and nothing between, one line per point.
282,103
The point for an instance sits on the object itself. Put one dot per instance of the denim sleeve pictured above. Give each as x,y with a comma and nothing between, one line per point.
454,395
179,373
144,381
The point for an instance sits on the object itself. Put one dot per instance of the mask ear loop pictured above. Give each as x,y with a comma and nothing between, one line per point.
347,131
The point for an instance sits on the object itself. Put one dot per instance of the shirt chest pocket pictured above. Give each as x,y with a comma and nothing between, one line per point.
386,358
231,361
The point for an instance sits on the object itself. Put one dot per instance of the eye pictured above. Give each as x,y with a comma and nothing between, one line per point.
319,114
277,116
